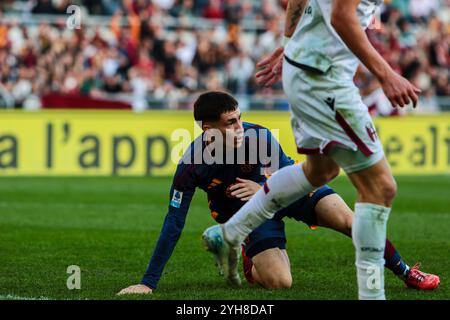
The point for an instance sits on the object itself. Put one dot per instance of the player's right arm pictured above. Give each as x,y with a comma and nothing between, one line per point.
272,65
344,20
181,193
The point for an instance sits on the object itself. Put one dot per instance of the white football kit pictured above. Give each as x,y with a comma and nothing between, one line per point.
326,107
328,117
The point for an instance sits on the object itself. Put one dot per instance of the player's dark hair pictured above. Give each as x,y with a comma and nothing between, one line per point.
210,105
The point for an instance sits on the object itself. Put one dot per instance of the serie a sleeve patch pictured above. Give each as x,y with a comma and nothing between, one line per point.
177,198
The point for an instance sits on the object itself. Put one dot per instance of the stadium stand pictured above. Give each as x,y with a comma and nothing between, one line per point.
160,53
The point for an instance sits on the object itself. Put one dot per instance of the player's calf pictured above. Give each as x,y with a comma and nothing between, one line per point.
332,212
376,190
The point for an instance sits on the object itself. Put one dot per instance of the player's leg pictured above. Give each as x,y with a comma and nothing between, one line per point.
376,189
325,208
315,130
226,257
283,188
375,184
320,169
264,255
271,269
332,212
265,258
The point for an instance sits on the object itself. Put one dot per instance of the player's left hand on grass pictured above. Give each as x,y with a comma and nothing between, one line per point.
136,289
271,68
244,189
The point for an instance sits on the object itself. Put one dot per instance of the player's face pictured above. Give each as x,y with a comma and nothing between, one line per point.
230,124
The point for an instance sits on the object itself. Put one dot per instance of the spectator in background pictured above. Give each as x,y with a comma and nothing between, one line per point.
213,10
44,7
140,85
185,51
232,12
206,56
163,4
401,5
406,36
420,10
23,87
184,9
169,60
269,10
271,38
109,7
240,71
248,12
372,94
443,84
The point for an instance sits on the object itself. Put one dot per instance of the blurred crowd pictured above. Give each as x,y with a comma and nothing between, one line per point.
138,55
414,39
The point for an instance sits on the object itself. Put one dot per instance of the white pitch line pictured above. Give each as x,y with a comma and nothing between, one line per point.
14,297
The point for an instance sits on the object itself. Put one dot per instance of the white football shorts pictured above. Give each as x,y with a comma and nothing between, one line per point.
329,117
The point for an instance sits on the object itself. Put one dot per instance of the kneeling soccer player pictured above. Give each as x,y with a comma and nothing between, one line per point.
220,117
265,259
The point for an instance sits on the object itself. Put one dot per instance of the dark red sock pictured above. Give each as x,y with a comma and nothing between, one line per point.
394,261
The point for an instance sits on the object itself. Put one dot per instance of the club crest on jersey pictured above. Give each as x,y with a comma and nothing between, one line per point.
177,198
372,132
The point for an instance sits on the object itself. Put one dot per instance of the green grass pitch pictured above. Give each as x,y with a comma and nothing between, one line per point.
109,227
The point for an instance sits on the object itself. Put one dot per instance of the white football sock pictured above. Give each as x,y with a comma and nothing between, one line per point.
283,188
369,239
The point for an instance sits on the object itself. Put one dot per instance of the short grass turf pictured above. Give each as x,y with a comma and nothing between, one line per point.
109,227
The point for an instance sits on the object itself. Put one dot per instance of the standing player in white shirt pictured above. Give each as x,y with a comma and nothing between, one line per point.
332,125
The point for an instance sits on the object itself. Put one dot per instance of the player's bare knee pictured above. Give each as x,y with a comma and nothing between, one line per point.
389,191
381,191
278,282
286,282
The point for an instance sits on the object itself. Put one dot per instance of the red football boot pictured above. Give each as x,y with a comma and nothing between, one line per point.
420,280
248,266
